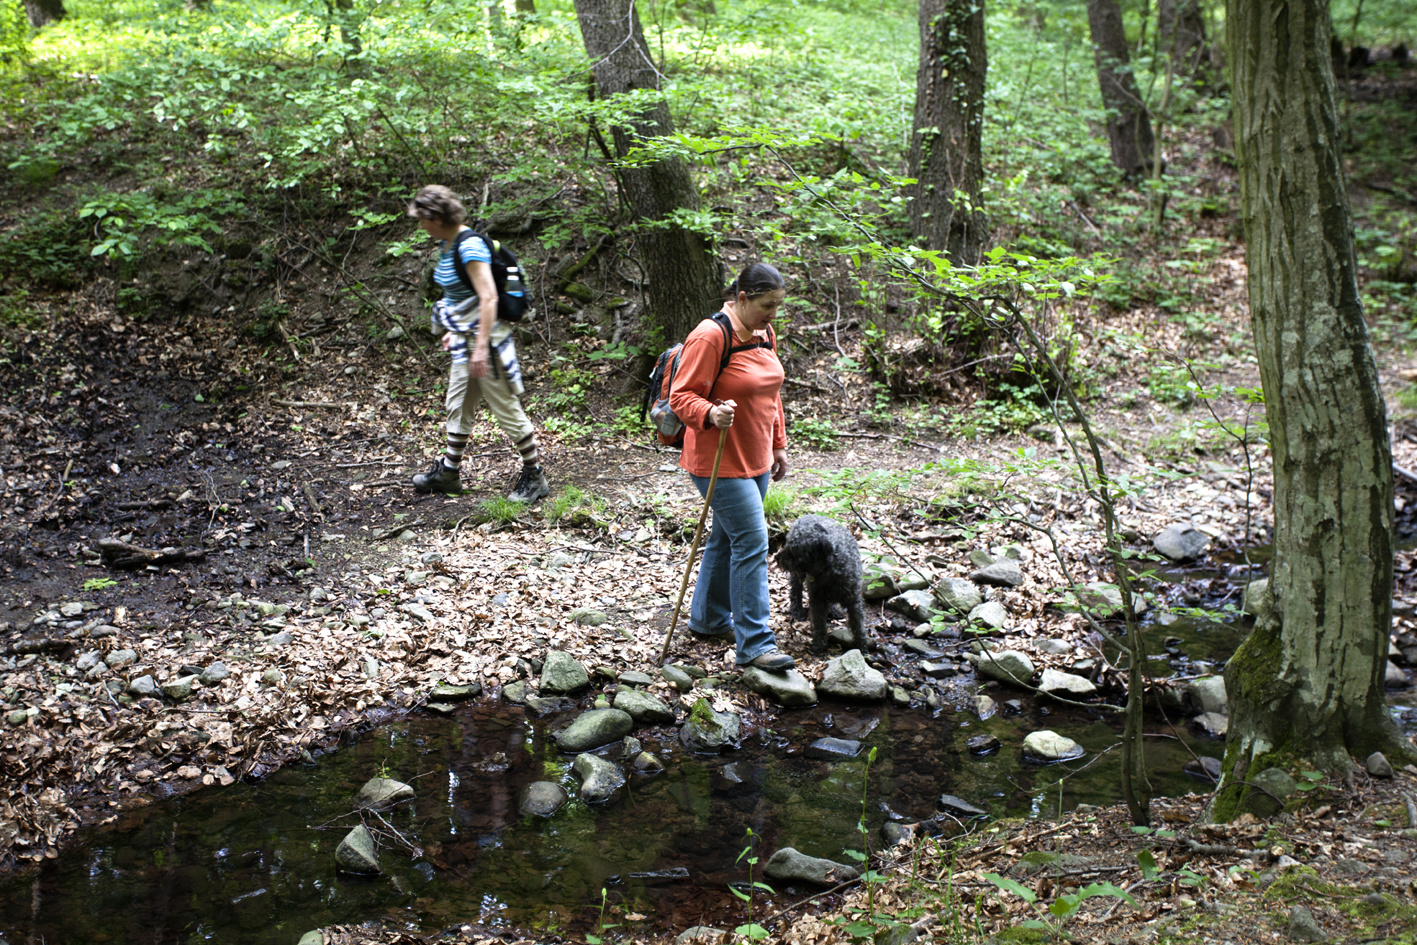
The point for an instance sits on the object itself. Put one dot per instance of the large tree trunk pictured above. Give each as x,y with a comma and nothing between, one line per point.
41,12
684,277
946,208
1128,123
1308,683
1181,33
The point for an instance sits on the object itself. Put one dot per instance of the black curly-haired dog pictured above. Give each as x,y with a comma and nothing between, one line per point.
821,554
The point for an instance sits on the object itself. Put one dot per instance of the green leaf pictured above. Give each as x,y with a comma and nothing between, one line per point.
740,894
1106,889
1064,906
592,939
1009,885
1148,864
753,931
861,930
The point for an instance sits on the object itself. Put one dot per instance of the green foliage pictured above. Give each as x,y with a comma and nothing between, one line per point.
99,584
749,929
780,504
1053,917
14,34
816,433
501,509
118,219
600,924
576,508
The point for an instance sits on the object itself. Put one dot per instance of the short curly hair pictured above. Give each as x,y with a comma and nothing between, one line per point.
436,202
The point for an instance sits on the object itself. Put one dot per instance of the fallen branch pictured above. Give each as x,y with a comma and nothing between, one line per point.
394,530
144,504
121,554
313,404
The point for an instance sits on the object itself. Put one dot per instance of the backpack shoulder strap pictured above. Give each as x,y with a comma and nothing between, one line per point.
458,266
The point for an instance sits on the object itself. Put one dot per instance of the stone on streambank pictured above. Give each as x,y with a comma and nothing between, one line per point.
708,732
542,799
1050,747
562,673
447,692
1009,666
915,605
1180,542
1066,685
594,728
788,864
379,793
991,614
644,708
600,779
1106,599
703,935
357,853
786,689
849,676
1207,694
958,594
313,937
879,582
1005,572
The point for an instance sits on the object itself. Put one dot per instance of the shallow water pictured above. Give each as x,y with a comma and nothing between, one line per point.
253,862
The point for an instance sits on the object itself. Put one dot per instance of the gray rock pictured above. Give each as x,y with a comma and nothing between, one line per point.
985,707
1066,685
895,834
1395,678
1004,665
960,807
958,594
279,639
633,677
981,558
214,673
677,678
647,764
922,648
1256,600
381,793
600,779
879,582
562,673
551,705
787,689
644,708
1212,723
1055,647
991,613
787,865
1208,694
357,853
447,692
899,696
1269,790
144,686
1378,766
515,692
915,605
589,617
849,676
105,630
1205,768
1303,927
593,729
709,732
17,716
938,670
702,935
180,689
1180,542
833,749
542,799
121,659
1050,747
983,744
1106,599
1006,572
88,661
314,937
273,677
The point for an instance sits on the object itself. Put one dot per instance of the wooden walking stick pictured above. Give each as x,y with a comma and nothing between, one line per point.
694,551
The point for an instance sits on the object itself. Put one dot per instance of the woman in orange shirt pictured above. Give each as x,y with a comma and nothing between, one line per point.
731,594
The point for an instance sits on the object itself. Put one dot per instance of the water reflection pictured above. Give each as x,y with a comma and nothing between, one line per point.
253,863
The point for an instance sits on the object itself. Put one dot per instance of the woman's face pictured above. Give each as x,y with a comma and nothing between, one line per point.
437,228
755,314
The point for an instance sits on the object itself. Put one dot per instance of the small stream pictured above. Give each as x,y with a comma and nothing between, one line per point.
250,863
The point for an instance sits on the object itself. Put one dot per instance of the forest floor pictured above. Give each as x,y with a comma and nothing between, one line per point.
336,597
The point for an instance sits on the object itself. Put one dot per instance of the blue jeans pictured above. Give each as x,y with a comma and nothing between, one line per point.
732,589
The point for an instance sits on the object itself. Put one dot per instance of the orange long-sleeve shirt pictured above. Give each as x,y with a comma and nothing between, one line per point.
752,380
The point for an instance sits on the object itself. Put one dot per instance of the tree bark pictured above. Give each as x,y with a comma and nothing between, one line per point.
685,279
41,12
526,6
946,207
1128,122
1181,33
1309,681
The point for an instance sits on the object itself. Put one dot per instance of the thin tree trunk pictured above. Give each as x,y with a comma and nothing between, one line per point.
684,277
1128,124
526,6
1308,684
41,12
1181,34
946,208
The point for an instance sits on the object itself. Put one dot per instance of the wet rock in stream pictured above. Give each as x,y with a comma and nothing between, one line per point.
382,793
789,688
594,728
709,732
850,677
357,852
542,799
1050,747
788,865
562,674
600,779
644,708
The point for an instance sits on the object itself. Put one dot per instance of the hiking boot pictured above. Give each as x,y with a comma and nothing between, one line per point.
531,486
774,661
440,477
